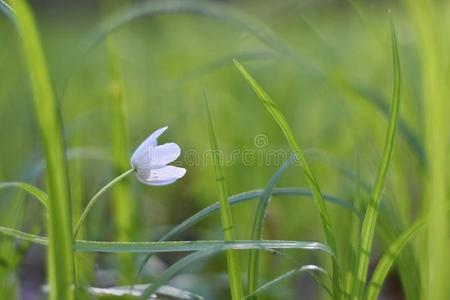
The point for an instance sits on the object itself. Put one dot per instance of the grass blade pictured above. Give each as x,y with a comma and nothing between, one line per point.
60,256
285,276
31,189
234,272
257,229
388,259
279,118
370,217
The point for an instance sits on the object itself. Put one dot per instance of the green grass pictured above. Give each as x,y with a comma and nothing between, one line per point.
300,157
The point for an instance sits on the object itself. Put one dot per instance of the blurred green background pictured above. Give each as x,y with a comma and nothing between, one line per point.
327,63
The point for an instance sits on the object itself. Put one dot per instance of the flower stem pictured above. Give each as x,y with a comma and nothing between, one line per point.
96,197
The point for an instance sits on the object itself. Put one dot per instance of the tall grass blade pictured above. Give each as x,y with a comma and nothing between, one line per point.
60,256
279,118
370,217
257,229
388,259
234,270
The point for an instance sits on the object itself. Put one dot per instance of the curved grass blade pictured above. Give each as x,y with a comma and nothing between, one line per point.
234,270
280,119
60,250
223,62
177,267
257,229
370,218
31,189
235,199
154,8
289,274
185,261
6,9
388,259
206,8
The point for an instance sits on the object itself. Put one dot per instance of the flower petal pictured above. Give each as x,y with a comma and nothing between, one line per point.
142,150
162,176
164,154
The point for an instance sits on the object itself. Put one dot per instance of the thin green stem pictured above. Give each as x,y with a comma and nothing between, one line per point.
371,215
96,197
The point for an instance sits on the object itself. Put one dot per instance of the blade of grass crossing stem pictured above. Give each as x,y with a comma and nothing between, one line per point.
122,196
234,272
388,259
257,229
370,217
433,46
279,118
60,255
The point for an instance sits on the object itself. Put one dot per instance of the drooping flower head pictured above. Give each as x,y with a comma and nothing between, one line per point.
151,160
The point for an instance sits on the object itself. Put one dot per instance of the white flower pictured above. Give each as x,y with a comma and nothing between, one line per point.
150,161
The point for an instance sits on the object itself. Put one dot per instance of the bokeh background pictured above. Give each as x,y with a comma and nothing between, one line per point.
327,63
